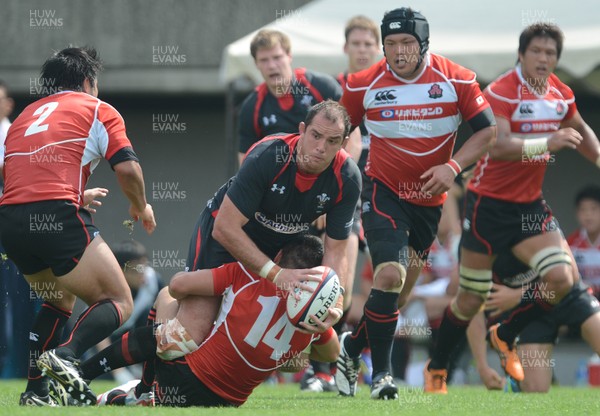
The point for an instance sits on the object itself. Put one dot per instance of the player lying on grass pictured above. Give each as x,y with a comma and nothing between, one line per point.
516,281
250,339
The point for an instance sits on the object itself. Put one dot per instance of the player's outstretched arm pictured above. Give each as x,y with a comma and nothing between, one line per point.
131,180
476,338
198,282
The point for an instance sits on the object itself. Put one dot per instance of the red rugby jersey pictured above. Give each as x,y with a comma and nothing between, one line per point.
412,123
251,338
531,116
55,144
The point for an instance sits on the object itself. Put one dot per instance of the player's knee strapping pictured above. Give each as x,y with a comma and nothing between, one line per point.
547,258
476,281
401,270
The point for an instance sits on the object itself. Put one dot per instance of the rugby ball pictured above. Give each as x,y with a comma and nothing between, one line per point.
326,294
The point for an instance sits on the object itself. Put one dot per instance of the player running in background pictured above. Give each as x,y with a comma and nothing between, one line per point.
412,103
51,150
585,242
362,49
505,209
513,282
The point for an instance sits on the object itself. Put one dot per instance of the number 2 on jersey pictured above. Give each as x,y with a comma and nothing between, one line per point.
280,345
43,112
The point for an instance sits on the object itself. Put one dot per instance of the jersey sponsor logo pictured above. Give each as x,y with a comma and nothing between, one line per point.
386,95
280,227
395,25
526,108
435,91
321,201
366,207
387,113
539,127
33,337
272,119
276,188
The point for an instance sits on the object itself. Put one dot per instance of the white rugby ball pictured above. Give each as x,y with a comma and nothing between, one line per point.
326,294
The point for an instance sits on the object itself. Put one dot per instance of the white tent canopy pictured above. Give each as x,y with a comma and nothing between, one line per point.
482,36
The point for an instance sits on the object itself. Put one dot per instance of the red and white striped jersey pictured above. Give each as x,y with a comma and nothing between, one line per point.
412,123
587,257
531,116
55,144
251,337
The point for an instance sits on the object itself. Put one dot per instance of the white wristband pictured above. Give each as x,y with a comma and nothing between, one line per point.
534,147
598,162
264,272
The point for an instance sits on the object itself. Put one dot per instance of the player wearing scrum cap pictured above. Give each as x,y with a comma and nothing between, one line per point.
505,209
412,103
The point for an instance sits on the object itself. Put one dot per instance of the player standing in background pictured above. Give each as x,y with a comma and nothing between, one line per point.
585,242
51,150
412,103
505,209
362,48
280,103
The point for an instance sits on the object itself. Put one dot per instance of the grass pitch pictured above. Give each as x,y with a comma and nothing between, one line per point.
287,400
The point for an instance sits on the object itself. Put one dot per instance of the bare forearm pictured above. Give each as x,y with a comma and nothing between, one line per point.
476,337
477,145
240,246
131,180
335,257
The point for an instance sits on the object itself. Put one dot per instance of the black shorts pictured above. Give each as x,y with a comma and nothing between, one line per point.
46,234
491,226
574,310
177,386
392,225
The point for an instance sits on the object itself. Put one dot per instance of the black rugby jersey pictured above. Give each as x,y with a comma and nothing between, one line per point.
263,114
281,202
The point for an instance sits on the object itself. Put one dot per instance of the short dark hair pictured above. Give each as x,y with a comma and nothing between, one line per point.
128,250
588,192
545,30
303,252
69,68
332,111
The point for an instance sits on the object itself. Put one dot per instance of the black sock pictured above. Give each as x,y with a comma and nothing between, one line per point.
381,313
148,373
451,330
95,324
45,334
134,346
532,306
400,357
357,341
